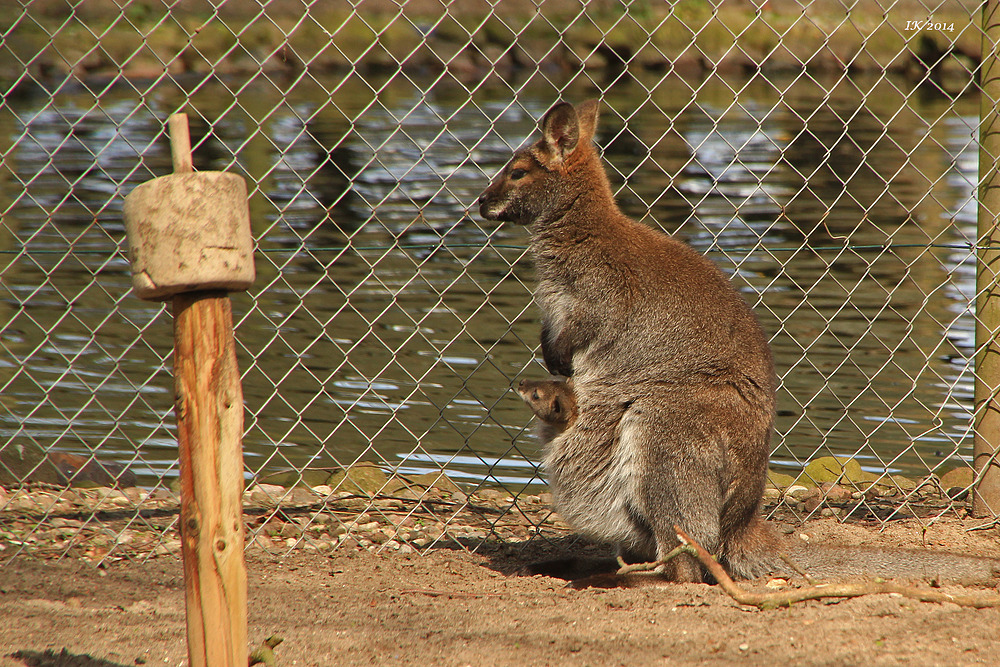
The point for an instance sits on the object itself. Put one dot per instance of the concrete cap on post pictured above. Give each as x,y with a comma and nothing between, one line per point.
189,232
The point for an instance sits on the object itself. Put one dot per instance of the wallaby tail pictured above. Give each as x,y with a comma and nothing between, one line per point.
838,563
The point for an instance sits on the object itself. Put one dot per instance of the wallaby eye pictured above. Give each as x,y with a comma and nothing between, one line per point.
517,174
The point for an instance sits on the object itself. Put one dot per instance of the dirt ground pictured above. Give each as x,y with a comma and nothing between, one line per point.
453,607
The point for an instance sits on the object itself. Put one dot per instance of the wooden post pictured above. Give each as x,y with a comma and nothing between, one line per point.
986,445
189,240
209,409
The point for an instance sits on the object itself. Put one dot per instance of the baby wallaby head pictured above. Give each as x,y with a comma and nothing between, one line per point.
552,401
537,181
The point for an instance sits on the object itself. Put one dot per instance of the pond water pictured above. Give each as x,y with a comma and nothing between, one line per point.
388,322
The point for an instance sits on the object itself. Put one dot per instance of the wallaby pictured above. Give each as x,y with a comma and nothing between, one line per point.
553,402
672,375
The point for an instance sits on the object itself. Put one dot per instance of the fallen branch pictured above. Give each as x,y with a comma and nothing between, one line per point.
774,599
995,523
264,654
450,594
655,566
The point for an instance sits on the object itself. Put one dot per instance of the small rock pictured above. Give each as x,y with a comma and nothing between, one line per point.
308,477
904,484
161,493
299,496
322,518
957,493
796,491
166,548
835,493
348,542
414,493
778,480
437,480
957,480
26,503
491,494
881,491
362,478
266,494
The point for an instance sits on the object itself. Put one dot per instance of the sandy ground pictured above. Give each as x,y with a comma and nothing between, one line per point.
450,606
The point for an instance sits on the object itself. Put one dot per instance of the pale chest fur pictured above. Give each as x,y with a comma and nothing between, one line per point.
556,305
595,487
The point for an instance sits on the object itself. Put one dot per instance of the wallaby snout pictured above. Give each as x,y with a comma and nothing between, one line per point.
490,206
515,192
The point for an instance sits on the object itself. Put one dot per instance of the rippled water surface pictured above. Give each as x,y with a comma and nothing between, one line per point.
388,323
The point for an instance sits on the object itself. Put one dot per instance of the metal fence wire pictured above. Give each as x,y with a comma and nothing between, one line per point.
823,153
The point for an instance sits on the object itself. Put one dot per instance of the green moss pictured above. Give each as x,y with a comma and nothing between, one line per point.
841,469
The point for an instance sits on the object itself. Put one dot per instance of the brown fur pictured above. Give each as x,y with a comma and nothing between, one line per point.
553,402
672,374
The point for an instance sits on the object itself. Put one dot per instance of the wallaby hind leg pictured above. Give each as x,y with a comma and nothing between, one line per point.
680,482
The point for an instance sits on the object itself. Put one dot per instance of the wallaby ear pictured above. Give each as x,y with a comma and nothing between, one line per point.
588,112
560,132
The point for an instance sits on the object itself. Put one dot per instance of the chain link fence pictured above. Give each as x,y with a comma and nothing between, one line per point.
824,154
